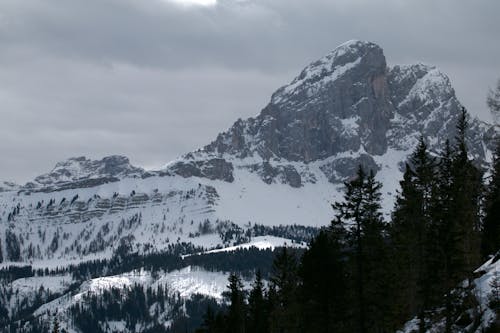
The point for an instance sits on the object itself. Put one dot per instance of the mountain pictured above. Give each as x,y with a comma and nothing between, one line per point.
81,172
8,186
285,166
272,175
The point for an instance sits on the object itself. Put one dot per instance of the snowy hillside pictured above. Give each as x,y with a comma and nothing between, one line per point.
185,283
283,167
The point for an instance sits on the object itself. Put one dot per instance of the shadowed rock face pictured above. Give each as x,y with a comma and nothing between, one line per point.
306,119
216,168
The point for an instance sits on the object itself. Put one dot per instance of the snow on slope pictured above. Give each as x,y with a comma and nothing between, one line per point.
482,290
170,209
259,242
26,290
490,271
186,282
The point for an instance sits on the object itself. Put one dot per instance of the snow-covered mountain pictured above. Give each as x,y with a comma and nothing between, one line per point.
283,167
272,175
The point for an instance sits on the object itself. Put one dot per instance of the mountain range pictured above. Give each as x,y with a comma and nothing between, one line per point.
282,168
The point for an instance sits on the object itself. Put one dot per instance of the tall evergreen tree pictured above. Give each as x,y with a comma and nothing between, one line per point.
374,257
324,290
403,231
491,224
466,194
360,211
459,217
350,212
257,307
237,311
414,236
284,313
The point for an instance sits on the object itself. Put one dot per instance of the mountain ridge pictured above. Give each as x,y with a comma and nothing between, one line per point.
284,166
347,101
265,181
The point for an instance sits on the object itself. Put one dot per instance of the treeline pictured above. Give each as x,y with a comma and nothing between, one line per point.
243,261
363,274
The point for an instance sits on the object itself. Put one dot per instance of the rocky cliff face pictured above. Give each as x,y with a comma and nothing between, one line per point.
345,109
336,104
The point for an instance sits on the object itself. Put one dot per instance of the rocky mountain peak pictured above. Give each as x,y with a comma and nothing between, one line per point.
347,108
337,103
342,61
80,170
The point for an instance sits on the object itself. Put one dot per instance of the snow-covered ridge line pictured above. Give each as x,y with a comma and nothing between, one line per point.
259,242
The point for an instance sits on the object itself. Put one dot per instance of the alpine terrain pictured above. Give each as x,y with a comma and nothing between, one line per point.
166,240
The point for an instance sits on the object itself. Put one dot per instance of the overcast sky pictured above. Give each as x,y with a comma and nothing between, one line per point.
152,79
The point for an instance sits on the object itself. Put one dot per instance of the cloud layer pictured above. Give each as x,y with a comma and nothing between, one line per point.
153,79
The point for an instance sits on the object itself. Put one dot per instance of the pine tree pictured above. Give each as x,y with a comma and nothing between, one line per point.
415,237
466,194
374,257
257,307
237,312
403,231
284,313
360,210
324,290
491,224
460,218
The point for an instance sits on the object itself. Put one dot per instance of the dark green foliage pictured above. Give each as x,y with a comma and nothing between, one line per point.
213,321
460,226
294,232
491,225
463,221
284,305
414,238
324,296
257,307
237,308
366,249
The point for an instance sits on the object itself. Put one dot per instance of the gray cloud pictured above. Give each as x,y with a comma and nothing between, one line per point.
151,79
